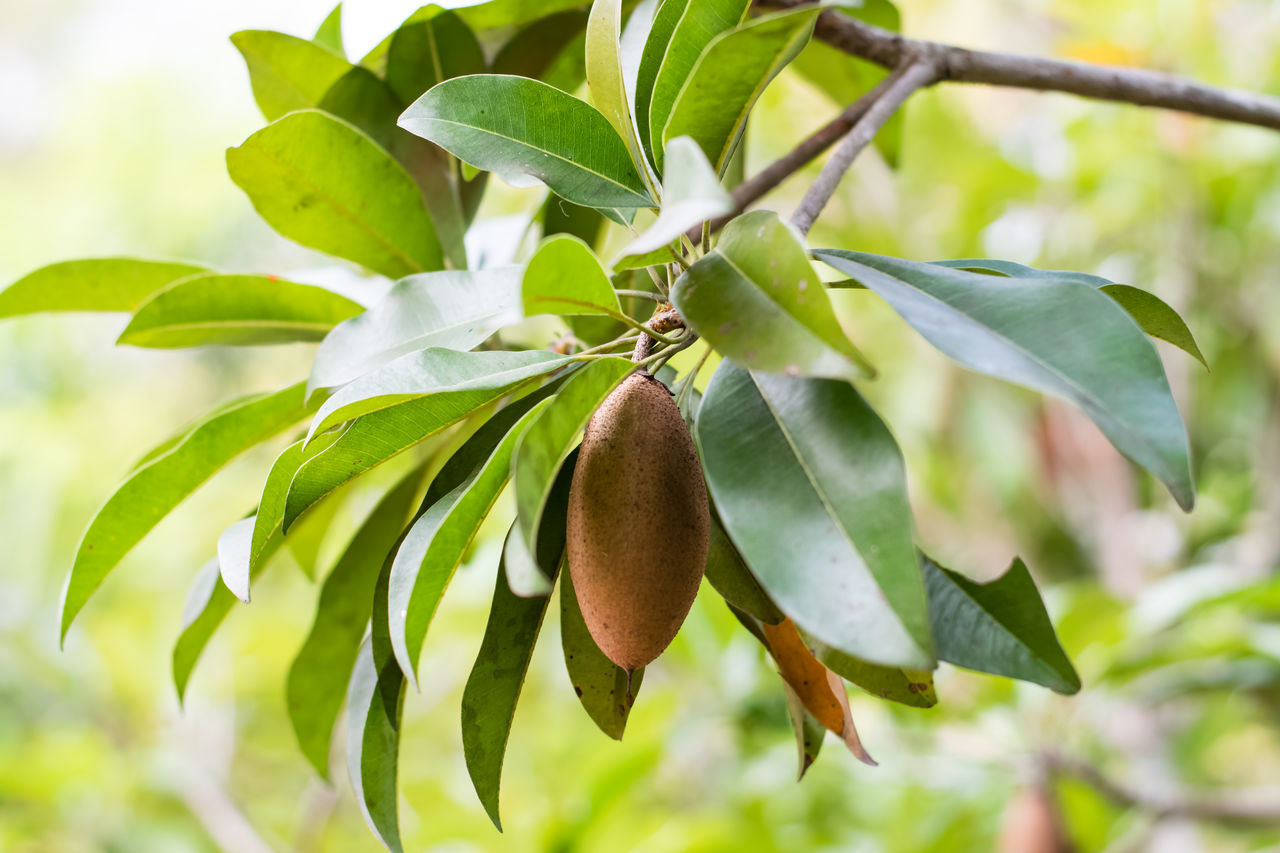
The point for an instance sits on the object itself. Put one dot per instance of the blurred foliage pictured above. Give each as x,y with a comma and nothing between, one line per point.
115,146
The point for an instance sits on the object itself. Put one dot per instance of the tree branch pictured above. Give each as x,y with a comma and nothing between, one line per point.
911,75
1108,83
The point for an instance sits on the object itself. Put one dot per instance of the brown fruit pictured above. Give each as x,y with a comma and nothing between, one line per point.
638,523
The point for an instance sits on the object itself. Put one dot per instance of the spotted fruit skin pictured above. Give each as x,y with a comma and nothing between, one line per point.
638,522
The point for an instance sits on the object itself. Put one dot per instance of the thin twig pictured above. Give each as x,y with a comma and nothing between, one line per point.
1101,82
913,74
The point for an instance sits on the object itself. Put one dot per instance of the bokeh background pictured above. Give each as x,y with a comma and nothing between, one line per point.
114,121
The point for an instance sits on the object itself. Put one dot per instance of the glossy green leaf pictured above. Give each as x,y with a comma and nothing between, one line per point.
375,706
565,277
493,688
456,309
236,310
534,50
691,194
907,687
329,34
434,372
548,441
700,22
832,543
207,603
513,13
317,681
516,126
269,520
730,76
96,284
321,182
758,300
999,627
287,73
153,490
603,687
1059,337
433,549
362,99
728,575
655,46
425,52
808,731
1152,313
605,77
527,575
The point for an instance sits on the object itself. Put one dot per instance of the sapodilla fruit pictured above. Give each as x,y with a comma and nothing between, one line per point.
638,522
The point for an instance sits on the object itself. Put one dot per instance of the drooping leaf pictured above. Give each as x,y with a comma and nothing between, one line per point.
808,731
287,73
907,687
999,627
832,545
321,182
1058,337
699,23
565,277
526,574
375,706
493,688
454,309
318,677
153,490
329,34
234,548
516,126
547,442
270,517
757,299
95,284
425,52
434,372
427,559
207,603
605,77
691,194
603,687
730,75
730,577
236,310
1152,313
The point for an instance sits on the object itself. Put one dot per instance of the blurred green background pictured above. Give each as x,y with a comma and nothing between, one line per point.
116,116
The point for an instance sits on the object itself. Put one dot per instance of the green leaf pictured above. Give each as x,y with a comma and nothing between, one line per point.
430,554
269,520
605,78
757,299
329,35
700,22
907,687
287,73
96,284
691,194
729,576
533,51
362,99
1058,337
236,310
234,557
434,372
655,48
832,543
565,277
493,688
456,309
808,731
318,676
321,182
548,441
208,602
154,489
603,687
1152,313
423,53
999,627
516,126
375,706
513,13
527,575
731,73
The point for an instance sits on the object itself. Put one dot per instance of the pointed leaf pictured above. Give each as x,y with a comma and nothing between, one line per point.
605,77
832,545
236,310
1058,337
453,309
287,73
329,35
907,687
96,284
516,126
691,194
423,53
999,627
321,182
809,732
604,688
565,277
731,73
375,706
493,688
656,42
757,299
530,576
233,557
153,490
